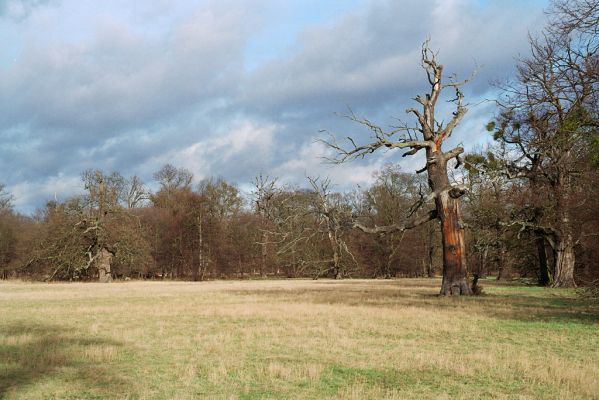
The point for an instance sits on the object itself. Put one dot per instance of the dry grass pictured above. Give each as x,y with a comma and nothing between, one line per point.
354,339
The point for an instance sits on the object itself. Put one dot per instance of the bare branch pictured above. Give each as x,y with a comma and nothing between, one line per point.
453,153
429,216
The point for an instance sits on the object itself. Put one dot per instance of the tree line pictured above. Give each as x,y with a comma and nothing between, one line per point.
211,230
526,206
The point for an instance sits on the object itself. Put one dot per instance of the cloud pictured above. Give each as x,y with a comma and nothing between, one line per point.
129,86
59,186
18,10
68,106
240,149
373,58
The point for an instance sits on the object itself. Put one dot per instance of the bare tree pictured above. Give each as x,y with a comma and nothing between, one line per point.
428,134
5,199
172,178
385,203
135,192
265,195
548,117
332,217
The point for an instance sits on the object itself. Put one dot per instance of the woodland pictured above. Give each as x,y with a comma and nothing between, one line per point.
525,207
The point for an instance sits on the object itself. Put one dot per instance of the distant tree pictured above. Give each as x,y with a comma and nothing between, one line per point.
89,234
548,122
135,192
5,199
265,195
333,218
488,214
8,236
390,200
171,177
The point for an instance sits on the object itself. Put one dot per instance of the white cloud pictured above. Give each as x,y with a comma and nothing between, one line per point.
134,85
242,148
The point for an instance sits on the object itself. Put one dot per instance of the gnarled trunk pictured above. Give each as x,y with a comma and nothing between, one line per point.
454,249
452,228
103,263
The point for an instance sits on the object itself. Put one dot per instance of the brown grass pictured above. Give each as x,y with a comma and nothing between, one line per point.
354,339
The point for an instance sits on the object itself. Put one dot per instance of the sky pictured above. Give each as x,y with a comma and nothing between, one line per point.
232,88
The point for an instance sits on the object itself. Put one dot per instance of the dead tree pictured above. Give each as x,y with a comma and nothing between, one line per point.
265,196
330,218
428,134
287,227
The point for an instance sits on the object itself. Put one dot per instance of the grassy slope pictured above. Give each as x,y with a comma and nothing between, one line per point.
294,339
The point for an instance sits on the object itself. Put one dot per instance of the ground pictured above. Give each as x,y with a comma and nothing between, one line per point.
352,339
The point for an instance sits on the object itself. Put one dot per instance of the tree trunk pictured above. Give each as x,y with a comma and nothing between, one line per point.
454,249
564,240
543,267
452,229
264,254
103,262
564,262
484,255
504,273
430,252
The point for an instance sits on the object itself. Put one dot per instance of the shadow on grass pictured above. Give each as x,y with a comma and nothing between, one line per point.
32,352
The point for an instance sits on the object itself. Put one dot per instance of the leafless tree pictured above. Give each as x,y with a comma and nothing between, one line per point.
265,195
332,218
548,116
428,134
171,178
135,192
5,199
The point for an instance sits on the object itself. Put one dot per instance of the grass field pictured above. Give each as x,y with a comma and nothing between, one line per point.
354,339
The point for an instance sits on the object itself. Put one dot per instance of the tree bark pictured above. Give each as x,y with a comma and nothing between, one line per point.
452,228
565,258
454,249
103,262
564,262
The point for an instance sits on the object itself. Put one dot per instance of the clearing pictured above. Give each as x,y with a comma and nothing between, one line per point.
351,339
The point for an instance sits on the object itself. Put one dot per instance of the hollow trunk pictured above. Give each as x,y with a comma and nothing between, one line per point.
452,229
103,262
454,249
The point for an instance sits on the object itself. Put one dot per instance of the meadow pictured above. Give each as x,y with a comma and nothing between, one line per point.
295,339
